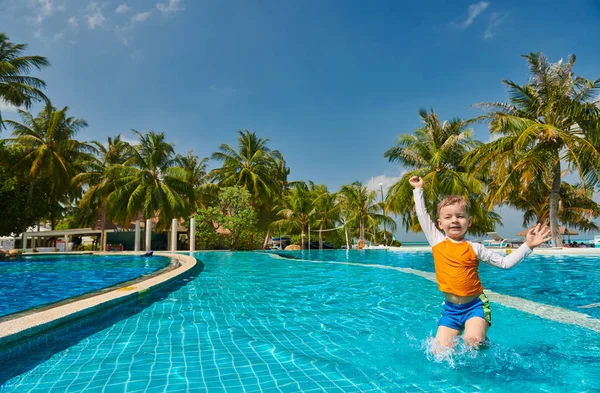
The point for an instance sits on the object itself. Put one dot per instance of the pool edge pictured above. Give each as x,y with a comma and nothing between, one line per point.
19,330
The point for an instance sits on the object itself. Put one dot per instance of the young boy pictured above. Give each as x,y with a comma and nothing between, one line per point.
456,261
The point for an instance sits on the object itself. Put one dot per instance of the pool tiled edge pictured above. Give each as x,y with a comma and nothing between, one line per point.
16,332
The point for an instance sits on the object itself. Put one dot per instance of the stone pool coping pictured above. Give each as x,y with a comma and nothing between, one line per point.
18,328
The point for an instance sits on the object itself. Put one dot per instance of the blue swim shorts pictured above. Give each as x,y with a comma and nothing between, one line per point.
455,316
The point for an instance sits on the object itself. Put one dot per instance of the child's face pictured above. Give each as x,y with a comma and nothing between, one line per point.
454,221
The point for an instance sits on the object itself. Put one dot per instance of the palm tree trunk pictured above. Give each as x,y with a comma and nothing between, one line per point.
347,237
103,209
554,196
362,230
321,237
266,242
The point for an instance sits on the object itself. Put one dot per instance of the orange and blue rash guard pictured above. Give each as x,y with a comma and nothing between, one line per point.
457,263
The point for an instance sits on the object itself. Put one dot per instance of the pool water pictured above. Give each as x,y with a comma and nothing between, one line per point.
34,281
560,280
253,323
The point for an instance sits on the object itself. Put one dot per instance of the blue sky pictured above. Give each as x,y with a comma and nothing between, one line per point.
331,83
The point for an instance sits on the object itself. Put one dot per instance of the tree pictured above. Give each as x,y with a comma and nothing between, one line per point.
551,120
253,167
51,155
234,213
296,209
207,237
237,214
17,88
196,175
17,211
360,207
149,184
436,153
576,208
326,210
257,169
96,175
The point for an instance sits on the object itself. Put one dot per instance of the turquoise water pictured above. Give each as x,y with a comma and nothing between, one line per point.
249,322
34,281
565,281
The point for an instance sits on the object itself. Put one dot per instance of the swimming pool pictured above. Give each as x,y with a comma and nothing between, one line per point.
34,281
251,322
571,282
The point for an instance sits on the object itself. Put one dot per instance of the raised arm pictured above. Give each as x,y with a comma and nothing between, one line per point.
433,235
503,262
535,236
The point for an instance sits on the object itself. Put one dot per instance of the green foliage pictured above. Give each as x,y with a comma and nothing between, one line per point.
255,168
235,215
51,156
17,213
395,243
150,184
96,178
551,120
436,153
207,237
16,86
361,209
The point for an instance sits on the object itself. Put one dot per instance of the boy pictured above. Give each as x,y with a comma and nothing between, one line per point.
456,261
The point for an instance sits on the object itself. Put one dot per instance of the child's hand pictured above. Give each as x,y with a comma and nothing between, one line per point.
416,182
537,235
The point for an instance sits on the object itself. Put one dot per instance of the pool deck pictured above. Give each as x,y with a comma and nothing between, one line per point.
17,329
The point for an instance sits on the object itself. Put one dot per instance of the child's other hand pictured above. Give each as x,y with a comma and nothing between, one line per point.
537,235
416,182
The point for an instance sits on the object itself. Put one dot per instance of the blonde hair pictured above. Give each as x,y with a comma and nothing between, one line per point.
453,200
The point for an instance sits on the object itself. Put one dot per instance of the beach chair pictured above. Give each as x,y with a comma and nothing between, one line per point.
498,241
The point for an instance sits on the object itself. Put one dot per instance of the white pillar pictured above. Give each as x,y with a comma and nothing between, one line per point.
136,242
148,234
174,234
66,243
23,241
192,235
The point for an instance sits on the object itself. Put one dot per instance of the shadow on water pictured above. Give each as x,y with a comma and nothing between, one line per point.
47,345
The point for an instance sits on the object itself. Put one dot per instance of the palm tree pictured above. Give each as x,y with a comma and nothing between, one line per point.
326,210
360,207
195,168
435,152
296,209
257,169
254,167
50,153
16,86
553,119
576,208
100,184
149,183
